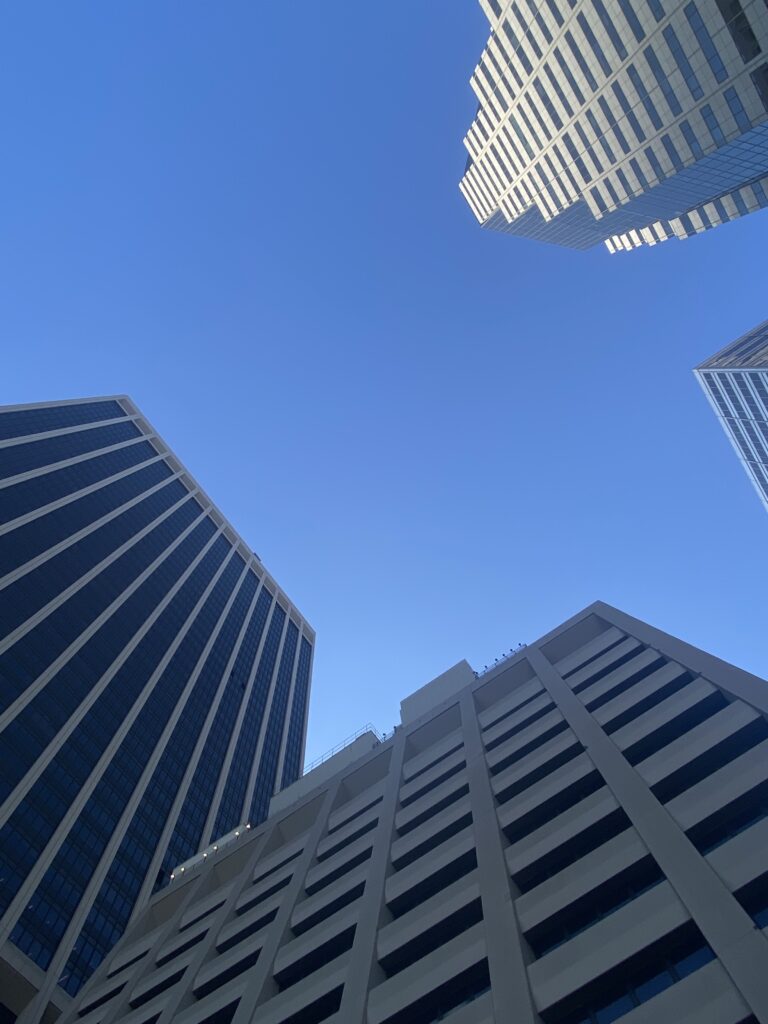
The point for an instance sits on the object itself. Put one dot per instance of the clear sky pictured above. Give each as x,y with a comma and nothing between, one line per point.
441,441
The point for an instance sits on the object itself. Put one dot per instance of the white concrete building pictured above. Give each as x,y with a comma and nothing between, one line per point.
576,836
624,121
735,381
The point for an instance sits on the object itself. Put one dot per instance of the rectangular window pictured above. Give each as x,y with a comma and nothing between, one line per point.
654,6
600,137
610,28
653,160
634,124
553,81
760,81
705,42
565,68
642,92
737,109
712,123
595,46
741,31
632,19
588,148
611,119
661,77
637,170
517,48
527,34
682,62
574,153
672,153
555,12
548,104
539,19
690,137
599,201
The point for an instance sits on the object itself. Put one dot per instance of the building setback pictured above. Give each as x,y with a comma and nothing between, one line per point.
154,683
735,381
576,836
628,122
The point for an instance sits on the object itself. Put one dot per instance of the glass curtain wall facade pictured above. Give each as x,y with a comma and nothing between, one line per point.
735,381
154,680
627,122
576,836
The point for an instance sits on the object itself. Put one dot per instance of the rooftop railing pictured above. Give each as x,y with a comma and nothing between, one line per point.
500,661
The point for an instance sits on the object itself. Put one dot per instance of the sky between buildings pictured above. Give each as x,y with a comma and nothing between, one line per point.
441,441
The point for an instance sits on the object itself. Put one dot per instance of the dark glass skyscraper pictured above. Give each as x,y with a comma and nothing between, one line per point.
154,683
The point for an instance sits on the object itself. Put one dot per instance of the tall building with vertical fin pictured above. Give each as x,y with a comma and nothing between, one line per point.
154,683
735,380
626,122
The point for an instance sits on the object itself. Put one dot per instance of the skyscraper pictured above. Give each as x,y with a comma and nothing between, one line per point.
576,836
154,682
628,122
735,381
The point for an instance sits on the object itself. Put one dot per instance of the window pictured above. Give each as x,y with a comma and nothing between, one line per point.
760,81
594,906
660,75
461,990
316,957
544,812
693,143
712,124
716,757
642,92
527,748
595,46
736,817
569,852
636,981
705,42
682,62
228,974
741,31
432,938
737,109
519,785
754,899
672,153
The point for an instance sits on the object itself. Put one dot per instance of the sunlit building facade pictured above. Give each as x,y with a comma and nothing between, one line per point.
576,836
154,683
627,122
735,381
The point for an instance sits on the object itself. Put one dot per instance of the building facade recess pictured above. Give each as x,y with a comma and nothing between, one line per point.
735,381
576,836
627,122
154,683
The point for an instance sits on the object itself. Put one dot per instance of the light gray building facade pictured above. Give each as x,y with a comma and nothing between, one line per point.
576,836
154,683
735,381
623,121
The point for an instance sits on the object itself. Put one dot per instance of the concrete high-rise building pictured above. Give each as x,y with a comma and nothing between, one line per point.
735,381
576,836
154,683
629,121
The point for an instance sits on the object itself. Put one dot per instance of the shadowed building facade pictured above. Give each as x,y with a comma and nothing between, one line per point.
735,381
576,836
627,122
154,683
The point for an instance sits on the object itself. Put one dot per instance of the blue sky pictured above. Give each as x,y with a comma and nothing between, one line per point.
441,441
